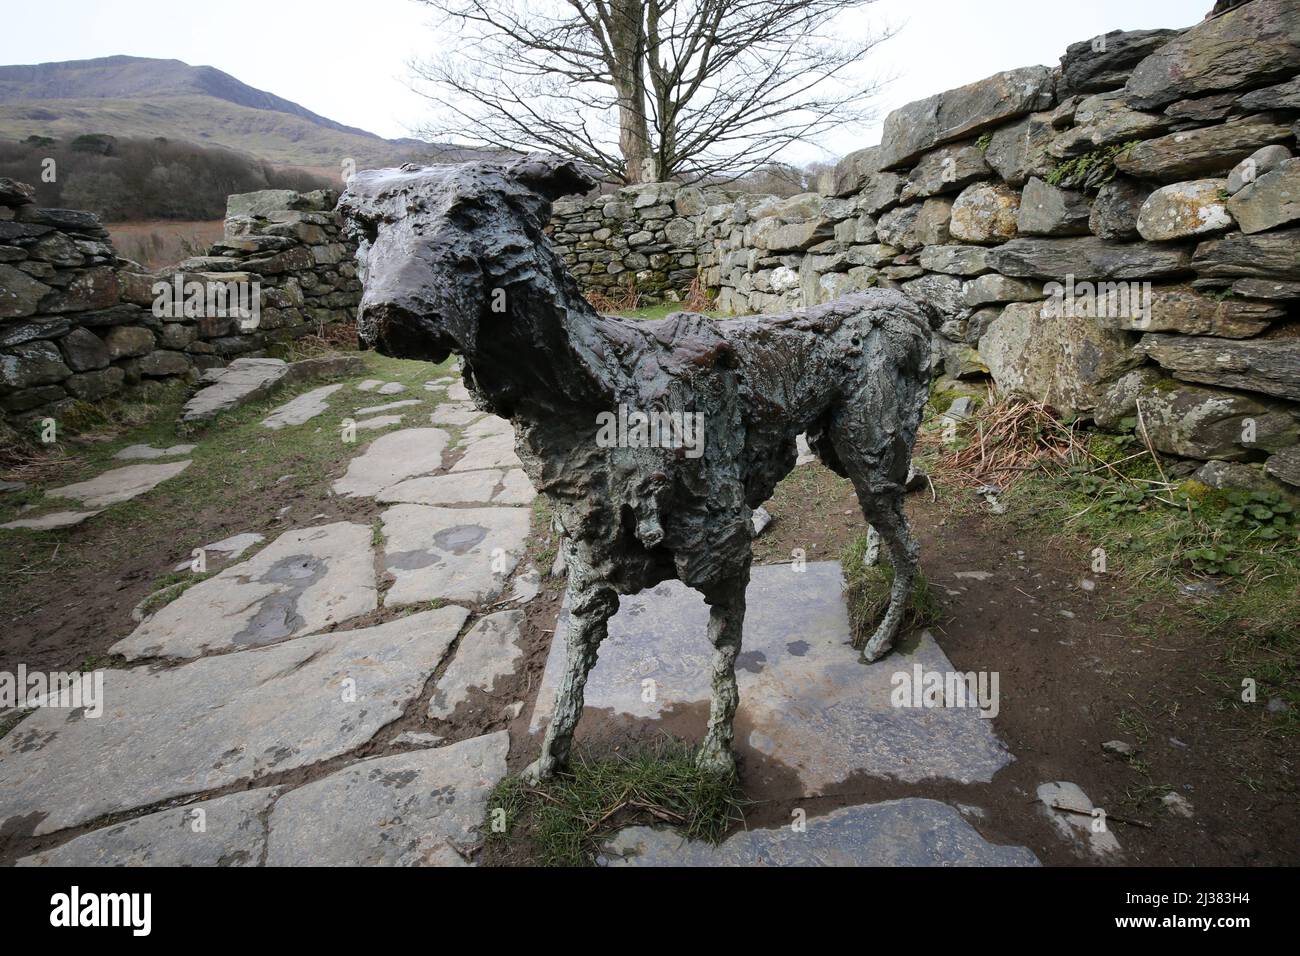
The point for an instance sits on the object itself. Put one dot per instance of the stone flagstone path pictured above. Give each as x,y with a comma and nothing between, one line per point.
277,677
275,664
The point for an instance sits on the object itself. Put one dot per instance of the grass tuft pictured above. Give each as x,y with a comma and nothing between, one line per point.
563,821
867,587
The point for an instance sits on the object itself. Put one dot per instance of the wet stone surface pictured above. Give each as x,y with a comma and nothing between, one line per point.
119,484
391,458
303,581
216,721
806,702
413,809
490,650
456,554
231,834
910,832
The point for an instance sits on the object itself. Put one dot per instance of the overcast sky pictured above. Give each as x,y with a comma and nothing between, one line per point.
347,60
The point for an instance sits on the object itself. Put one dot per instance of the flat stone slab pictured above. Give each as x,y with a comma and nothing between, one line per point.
300,410
51,521
516,489
120,484
458,488
242,381
379,421
455,413
488,427
490,650
391,388
909,832
456,554
229,549
390,406
227,831
1071,812
806,702
392,458
457,392
495,451
411,809
305,580
148,451
216,722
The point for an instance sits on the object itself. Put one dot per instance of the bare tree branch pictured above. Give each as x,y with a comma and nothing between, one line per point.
647,89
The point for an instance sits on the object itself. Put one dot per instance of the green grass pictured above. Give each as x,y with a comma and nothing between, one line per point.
866,590
235,464
564,821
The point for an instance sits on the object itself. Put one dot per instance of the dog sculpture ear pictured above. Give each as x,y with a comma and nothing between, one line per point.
551,176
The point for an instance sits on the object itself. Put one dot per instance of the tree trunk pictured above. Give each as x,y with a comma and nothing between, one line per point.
628,40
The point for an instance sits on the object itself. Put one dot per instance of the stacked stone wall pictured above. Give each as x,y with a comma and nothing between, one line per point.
78,324
1118,236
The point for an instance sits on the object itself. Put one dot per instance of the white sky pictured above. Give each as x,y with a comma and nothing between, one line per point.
347,60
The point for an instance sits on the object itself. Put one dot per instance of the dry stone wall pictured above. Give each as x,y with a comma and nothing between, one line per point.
643,235
78,324
1122,230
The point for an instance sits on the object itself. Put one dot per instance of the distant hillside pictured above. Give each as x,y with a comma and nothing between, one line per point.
129,180
144,98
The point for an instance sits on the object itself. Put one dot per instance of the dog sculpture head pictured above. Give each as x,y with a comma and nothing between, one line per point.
437,244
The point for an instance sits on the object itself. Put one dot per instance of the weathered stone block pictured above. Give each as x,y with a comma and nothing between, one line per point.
92,386
1019,151
84,351
1046,210
1088,257
985,212
1185,209
1270,255
943,170
20,294
128,341
1053,357
1272,200
32,364
1251,45
1105,62
955,260
95,288
1270,366
917,127
1115,210
1206,423
1195,153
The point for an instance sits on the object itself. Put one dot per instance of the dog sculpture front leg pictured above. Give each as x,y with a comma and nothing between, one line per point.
726,626
592,602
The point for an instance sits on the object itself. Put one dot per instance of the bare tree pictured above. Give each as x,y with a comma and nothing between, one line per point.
647,89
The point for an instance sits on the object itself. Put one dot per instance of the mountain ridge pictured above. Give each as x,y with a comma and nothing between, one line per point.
143,96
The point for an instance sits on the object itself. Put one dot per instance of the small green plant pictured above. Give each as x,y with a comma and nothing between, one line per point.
1090,171
982,144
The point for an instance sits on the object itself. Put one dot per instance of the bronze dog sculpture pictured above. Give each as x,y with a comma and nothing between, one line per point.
455,259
